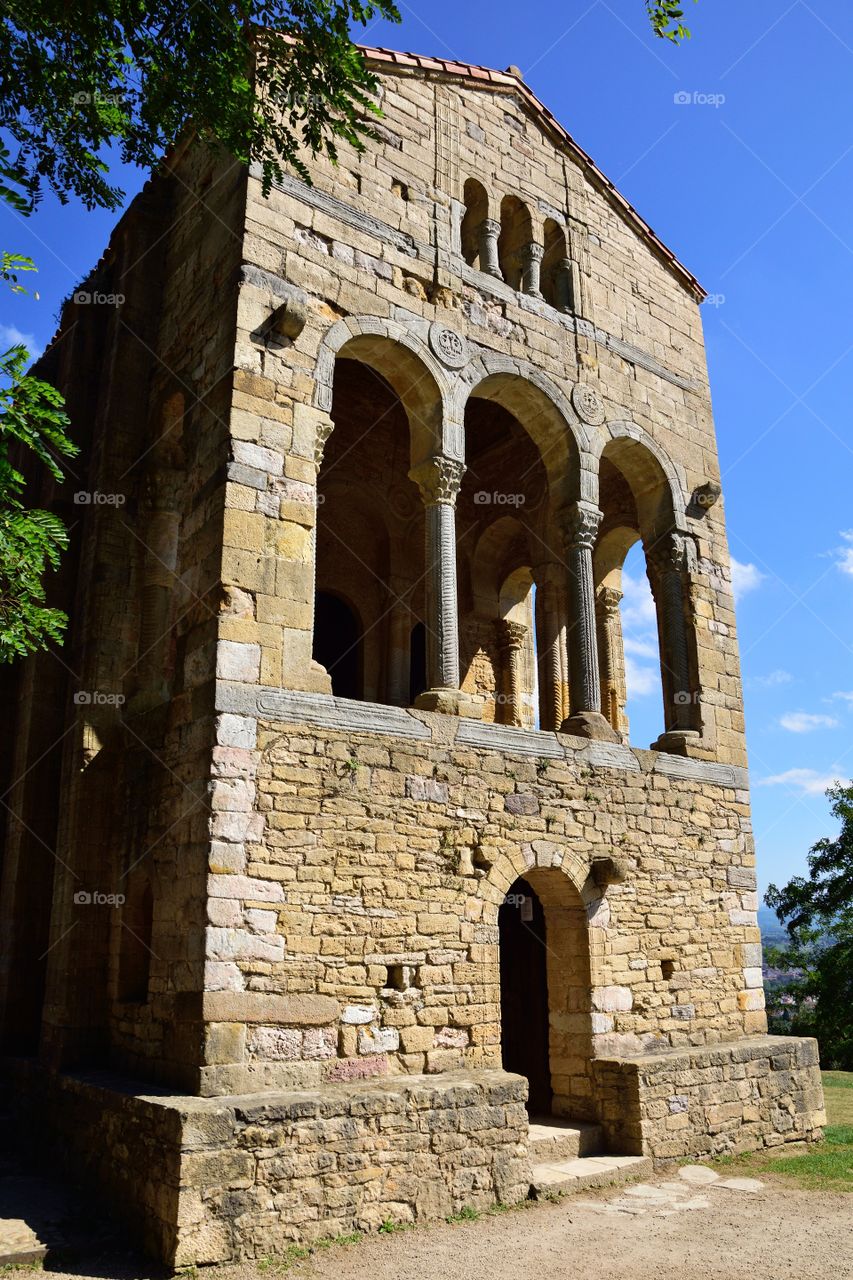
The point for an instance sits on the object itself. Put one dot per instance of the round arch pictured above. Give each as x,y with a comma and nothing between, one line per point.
410,369
564,444
648,470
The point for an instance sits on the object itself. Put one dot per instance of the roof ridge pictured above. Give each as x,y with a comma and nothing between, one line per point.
391,58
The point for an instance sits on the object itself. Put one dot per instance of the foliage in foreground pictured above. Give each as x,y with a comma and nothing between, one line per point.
818,912
31,540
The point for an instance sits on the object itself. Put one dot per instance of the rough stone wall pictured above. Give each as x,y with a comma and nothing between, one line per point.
709,1102
388,854
135,706
245,1177
379,237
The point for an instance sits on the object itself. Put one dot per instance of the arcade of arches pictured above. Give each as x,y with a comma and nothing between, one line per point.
480,588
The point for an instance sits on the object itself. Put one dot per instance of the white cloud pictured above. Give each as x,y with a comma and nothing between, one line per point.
844,555
806,722
642,647
773,679
842,697
807,781
638,606
641,681
639,636
745,578
10,336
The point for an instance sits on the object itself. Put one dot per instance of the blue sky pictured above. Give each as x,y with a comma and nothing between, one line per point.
750,182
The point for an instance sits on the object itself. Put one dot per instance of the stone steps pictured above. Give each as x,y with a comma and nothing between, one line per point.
551,1138
561,1177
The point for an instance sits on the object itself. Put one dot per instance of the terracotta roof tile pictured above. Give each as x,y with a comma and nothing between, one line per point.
467,70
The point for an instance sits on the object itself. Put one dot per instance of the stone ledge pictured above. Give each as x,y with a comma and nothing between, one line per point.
297,707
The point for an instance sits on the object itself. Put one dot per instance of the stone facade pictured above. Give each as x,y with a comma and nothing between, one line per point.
340,726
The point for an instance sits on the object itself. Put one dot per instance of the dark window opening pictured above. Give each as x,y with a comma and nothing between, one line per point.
417,662
337,644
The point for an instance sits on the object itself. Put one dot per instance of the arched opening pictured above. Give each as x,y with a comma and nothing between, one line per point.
522,468
476,212
524,993
546,992
639,638
337,643
516,234
370,541
556,278
137,923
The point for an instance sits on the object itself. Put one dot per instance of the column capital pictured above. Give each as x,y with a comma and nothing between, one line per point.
532,252
579,524
673,553
321,437
438,479
491,226
511,635
609,598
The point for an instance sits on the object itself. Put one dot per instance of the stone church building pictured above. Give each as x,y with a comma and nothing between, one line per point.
334,889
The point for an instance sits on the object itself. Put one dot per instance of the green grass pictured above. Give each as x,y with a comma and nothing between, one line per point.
299,1252
828,1165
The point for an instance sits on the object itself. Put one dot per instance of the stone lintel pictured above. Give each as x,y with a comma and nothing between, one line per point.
259,1006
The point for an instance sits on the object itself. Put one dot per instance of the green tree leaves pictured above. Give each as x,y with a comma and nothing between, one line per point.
819,916
31,540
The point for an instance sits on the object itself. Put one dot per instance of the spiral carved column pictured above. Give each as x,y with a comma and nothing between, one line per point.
670,563
580,528
439,479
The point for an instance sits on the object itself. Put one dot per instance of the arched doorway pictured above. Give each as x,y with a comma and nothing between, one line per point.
524,993
337,643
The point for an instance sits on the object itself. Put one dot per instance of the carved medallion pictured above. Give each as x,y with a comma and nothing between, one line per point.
450,347
589,404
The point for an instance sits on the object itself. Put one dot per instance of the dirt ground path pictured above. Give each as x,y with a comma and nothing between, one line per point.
771,1234
666,1229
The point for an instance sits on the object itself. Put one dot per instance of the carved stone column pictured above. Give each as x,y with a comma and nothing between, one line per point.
439,479
670,562
564,285
580,528
550,642
511,640
488,234
530,258
610,656
324,429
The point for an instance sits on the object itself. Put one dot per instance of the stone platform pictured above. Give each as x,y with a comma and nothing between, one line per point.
204,1180
209,1180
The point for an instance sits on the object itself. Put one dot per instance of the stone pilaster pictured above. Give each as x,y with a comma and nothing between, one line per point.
489,231
564,285
580,529
611,657
530,259
550,643
670,562
511,640
324,429
438,479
